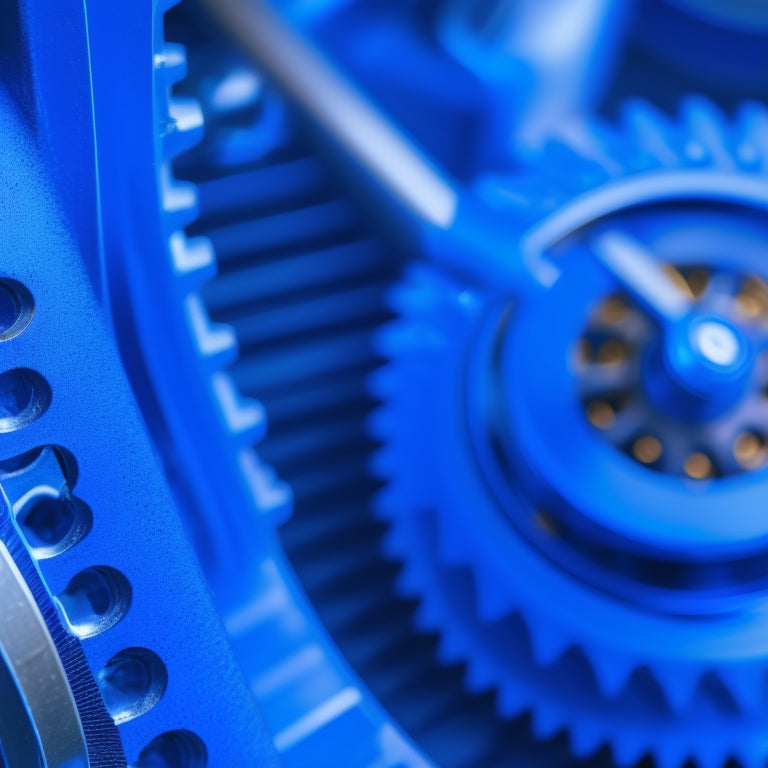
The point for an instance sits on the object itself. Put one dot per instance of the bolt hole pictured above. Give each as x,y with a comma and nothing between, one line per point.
95,600
16,308
68,465
613,310
600,413
647,449
51,525
175,749
132,682
24,398
750,450
699,466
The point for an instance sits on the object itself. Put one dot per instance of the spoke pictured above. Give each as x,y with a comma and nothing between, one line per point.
348,119
418,202
641,276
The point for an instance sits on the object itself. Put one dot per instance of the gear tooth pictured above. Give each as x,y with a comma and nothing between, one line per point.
390,501
179,201
652,131
747,685
753,131
428,617
628,750
586,738
612,673
708,127
679,683
272,496
193,258
480,675
411,579
751,755
380,424
171,64
451,545
602,144
452,647
184,128
547,643
215,341
512,700
711,755
384,462
389,342
416,297
406,339
395,541
383,383
245,418
492,603
671,753
546,721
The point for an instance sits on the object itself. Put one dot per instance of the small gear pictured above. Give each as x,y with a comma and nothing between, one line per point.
594,569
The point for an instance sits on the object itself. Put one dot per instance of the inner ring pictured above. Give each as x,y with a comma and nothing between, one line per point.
42,725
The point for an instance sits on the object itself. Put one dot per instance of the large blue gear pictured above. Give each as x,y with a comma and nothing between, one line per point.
86,512
527,535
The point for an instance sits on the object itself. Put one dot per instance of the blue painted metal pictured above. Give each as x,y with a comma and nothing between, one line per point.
525,533
51,244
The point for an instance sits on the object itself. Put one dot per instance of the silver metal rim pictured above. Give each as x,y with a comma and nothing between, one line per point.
39,721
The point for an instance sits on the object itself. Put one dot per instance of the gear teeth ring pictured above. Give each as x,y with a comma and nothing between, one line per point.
544,658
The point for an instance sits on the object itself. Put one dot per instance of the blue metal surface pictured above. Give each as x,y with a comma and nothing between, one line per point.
574,444
152,597
526,532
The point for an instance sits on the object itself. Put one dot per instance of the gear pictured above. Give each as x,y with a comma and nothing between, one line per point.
612,586
126,660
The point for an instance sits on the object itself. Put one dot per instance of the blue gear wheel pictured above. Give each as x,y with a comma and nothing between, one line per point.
610,601
110,569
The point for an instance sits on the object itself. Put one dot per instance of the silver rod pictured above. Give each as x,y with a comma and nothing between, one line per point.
354,124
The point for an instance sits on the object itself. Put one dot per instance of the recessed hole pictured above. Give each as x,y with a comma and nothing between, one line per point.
53,524
24,397
16,308
750,450
132,682
68,465
647,449
95,600
600,414
752,299
613,310
699,466
20,462
611,352
175,749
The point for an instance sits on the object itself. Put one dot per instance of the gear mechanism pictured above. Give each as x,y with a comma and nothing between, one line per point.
534,496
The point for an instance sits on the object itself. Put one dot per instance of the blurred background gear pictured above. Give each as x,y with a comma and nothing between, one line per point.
440,328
